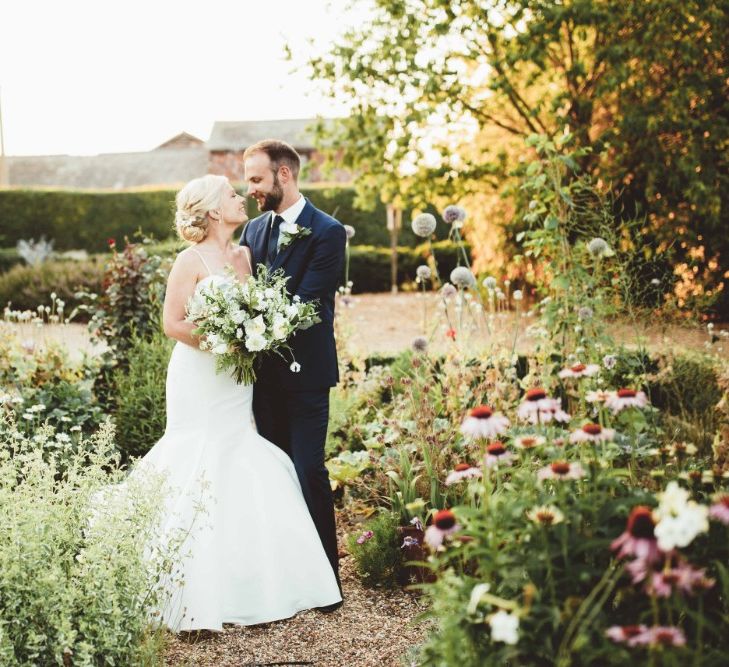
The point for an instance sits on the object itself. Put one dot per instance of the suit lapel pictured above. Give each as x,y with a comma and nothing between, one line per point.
304,220
260,240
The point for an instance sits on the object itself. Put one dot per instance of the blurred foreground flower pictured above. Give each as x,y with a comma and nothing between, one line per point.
504,627
720,509
483,422
546,515
462,471
561,470
444,523
537,408
454,215
638,539
626,398
679,519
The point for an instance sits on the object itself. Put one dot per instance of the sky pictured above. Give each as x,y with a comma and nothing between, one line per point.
82,77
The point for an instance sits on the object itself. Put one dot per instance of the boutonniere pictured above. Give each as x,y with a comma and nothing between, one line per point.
289,232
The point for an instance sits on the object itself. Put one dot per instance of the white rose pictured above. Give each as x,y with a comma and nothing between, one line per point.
238,316
255,342
269,292
289,227
291,311
255,327
280,328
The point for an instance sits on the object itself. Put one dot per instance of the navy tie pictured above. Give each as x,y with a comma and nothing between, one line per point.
273,239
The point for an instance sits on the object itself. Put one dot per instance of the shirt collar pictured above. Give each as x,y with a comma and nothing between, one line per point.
293,211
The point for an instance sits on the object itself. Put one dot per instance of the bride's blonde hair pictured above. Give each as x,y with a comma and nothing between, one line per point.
194,202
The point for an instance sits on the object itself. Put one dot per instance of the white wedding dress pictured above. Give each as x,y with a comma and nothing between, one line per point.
255,555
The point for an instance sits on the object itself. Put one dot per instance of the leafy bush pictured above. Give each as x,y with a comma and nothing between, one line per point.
378,556
9,257
72,591
139,390
28,286
130,299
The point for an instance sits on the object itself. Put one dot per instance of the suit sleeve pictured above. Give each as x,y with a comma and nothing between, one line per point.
325,269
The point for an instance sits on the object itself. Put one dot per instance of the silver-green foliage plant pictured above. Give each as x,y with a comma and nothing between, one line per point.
78,581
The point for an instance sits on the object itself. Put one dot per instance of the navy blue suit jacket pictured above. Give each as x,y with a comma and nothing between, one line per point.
314,265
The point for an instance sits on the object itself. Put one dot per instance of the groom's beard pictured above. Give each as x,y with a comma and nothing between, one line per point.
273,199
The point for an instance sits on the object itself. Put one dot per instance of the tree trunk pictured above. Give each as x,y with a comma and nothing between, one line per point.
394,222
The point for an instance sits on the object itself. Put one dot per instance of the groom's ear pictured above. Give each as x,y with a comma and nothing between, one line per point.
284,173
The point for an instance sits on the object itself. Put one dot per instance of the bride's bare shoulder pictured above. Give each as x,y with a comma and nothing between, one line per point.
242,258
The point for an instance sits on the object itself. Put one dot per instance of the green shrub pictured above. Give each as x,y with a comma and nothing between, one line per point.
74,592
378,557
9,257
140,393
27,287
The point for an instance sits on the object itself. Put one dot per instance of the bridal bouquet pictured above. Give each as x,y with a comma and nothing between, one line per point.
238,322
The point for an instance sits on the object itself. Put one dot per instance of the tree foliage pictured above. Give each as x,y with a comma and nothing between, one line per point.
643,83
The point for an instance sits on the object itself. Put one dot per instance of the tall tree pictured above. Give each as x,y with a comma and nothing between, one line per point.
643,83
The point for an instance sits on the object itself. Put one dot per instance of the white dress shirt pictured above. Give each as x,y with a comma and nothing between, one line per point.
291,214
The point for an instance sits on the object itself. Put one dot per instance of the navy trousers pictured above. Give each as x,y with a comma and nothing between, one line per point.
296,421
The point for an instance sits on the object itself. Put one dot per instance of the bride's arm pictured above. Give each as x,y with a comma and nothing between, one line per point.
180,287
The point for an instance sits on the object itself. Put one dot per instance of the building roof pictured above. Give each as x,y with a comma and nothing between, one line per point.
170,166
238,135
181,140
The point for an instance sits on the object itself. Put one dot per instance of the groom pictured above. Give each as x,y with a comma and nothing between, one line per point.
292,408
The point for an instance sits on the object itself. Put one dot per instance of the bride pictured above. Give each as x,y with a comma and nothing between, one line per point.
258,557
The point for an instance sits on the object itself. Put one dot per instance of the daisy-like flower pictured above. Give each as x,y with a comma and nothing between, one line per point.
719,511
683,577
638,539
626,398
598,396
660,635
579,371
592,433
529,441
545,515
489,282
444,523
462,471
497,454
537,408
483,422
623,633
561,470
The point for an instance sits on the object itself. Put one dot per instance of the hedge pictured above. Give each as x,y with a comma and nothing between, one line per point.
27,287
87,219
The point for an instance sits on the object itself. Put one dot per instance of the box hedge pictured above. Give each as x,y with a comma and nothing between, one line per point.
87,219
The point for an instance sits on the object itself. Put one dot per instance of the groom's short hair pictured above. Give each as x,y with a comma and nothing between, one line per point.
279,152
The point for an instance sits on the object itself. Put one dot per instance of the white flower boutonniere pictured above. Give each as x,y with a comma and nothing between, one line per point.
289,232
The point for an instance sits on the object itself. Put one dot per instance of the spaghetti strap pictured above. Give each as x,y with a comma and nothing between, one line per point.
247,253
202,259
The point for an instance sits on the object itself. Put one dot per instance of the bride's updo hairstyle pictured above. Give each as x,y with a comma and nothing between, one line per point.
194,202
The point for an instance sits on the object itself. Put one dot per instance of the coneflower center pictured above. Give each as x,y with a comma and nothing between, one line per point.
627,393
640,522
482,412
578,368
444,520
496,449
462,466
560,467
592,429
536,394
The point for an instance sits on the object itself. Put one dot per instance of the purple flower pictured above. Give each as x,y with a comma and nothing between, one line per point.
367,535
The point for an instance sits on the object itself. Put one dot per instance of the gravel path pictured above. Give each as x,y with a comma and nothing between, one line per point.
374,628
